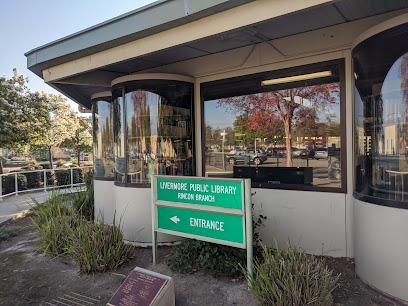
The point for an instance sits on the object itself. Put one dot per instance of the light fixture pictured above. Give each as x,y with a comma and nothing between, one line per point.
296,78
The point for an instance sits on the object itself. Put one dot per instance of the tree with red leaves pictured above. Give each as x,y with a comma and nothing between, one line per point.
288,106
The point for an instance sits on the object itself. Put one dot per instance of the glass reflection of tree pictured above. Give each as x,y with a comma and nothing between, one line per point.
287,106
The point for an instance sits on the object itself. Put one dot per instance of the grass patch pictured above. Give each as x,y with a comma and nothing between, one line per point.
291,277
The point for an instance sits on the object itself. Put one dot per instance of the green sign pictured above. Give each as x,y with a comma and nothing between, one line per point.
210,209
226,194
205,224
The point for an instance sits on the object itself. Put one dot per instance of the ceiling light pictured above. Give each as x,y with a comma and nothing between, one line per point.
296,78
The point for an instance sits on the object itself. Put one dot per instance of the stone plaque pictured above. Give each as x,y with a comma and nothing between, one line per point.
138,289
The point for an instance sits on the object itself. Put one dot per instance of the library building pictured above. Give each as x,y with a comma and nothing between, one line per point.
307,98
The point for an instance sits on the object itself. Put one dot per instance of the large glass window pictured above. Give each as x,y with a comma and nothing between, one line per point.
102,138
381,113
157,130
282,129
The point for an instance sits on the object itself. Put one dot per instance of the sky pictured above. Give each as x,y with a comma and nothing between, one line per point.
28,24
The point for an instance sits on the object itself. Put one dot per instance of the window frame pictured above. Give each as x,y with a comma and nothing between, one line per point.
283,73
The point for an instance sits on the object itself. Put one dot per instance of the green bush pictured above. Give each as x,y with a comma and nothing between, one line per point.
194,255
64,176
64,232
50,175
3,160
83,201
52,219
291,277
98,246
218,260
9,183
34,179
6,234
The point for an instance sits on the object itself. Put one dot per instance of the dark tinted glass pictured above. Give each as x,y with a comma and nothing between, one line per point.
102,139
158,133
287,133
381,113
119,139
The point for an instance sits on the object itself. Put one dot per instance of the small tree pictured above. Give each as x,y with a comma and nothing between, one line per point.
24,116
81,141
63,124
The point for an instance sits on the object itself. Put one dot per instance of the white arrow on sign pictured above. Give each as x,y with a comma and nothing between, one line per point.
175,219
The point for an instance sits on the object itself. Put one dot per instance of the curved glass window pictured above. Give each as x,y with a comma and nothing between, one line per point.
155,134
381,118
102,138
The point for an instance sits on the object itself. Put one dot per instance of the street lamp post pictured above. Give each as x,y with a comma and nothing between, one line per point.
223,142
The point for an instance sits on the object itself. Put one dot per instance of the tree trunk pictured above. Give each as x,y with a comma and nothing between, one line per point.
1,166
79,158
50,155
288,133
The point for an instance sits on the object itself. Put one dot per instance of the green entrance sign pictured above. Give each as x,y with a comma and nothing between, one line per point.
209,209
200,223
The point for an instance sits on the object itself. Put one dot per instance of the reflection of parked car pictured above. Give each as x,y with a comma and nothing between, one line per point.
296,152
271,151
257,157
307,153
281,152
321,153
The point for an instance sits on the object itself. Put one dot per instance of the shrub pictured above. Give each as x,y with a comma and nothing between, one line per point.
291,277
83,202
52,219
64,176
34,179
213,258
9,183
50,175
98,246
6,234
91,246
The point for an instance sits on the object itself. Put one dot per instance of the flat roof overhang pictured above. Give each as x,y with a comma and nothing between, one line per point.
172,31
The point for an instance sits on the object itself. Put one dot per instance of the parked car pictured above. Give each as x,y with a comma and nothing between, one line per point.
281,152
307,153
296,152
271,151
257,157
321,153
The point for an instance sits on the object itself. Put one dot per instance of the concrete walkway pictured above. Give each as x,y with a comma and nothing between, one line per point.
14,206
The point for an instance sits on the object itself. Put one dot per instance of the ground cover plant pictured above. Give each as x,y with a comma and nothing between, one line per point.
65,231
291,277
215,259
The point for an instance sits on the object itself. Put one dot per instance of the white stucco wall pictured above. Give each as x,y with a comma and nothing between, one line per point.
381,247
133,209
104,201
313,220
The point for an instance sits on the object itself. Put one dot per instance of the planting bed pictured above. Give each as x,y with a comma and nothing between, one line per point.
28,277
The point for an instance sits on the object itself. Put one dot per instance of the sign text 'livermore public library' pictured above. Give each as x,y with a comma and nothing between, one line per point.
213,193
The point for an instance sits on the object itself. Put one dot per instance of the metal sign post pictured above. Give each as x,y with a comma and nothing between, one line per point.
207,209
